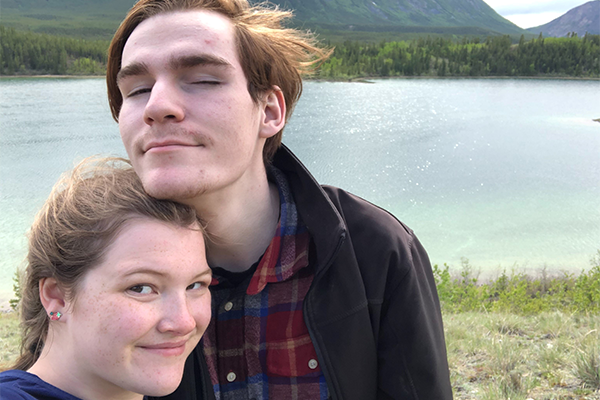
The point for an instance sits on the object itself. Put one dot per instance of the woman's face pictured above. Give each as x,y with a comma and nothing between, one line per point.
140,313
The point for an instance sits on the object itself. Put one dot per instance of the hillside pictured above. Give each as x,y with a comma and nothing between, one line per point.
582,19
98,19
90,19
383,14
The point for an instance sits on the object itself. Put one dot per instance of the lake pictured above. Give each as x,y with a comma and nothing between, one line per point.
503,172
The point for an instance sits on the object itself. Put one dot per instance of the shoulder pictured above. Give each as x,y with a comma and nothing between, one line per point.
12,383
14,377
365,218
21,385
385,249
388,254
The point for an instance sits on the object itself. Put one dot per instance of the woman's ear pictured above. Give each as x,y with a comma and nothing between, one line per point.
273,117
52,296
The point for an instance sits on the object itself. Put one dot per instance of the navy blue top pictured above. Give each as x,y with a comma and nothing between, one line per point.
20,385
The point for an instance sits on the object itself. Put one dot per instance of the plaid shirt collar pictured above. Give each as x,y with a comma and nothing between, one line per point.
257,344
288,251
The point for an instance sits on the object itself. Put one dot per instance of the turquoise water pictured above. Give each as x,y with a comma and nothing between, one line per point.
503,172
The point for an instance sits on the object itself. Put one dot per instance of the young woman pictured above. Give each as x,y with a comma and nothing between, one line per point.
116,291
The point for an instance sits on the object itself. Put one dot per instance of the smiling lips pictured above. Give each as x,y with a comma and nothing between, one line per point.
167,349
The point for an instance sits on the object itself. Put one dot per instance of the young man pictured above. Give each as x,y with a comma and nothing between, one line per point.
317,293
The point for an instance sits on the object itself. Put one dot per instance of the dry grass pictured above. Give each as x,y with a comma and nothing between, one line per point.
548,356
9,339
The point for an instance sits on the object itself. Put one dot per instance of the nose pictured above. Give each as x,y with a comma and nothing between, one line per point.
177,316
164,104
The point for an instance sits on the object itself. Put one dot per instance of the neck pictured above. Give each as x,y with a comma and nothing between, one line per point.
240,223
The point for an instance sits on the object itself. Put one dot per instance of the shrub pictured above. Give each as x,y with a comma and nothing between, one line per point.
518,292
14,302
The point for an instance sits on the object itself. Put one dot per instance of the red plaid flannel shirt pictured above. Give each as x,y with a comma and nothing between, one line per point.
257,345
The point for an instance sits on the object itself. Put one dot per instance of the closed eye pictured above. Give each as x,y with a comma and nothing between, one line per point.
206,82
139,91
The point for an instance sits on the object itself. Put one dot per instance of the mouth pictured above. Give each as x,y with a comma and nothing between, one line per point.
167,145
166,349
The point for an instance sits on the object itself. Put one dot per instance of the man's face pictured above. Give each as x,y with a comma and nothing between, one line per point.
187,121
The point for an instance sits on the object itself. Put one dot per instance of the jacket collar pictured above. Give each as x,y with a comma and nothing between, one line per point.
321,217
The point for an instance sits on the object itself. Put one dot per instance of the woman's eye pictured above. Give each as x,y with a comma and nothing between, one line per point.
141,289
196,286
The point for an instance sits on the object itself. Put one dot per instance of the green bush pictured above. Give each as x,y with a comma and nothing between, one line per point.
14,302
519,293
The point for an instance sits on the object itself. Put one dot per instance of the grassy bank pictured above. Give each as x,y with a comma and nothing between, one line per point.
522,337
514,337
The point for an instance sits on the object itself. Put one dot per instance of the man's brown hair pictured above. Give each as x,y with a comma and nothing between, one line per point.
270,54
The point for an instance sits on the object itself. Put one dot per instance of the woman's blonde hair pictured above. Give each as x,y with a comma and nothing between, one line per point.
82,216
270,54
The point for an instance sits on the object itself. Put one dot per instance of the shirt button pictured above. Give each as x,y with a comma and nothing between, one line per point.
231,377
228,307
313,364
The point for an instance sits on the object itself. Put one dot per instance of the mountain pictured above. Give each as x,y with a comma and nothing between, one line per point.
582,19
382,14
100,18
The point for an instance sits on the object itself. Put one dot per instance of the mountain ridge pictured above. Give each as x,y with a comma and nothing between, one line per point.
431,13
581,19
100,18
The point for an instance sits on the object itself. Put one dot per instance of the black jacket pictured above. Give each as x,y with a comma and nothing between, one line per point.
372,311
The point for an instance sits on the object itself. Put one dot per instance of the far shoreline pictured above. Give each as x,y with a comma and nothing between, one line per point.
358,79
51,76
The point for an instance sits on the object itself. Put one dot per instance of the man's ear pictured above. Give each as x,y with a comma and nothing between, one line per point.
273,116
52,296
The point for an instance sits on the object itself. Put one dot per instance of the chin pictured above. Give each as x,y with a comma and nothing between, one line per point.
160,391
160,385
172,190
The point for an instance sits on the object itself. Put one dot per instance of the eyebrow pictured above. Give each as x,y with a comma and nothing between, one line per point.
135,69
175,63
148,271
198,59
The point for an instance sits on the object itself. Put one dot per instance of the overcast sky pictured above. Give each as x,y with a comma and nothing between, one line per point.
530,13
